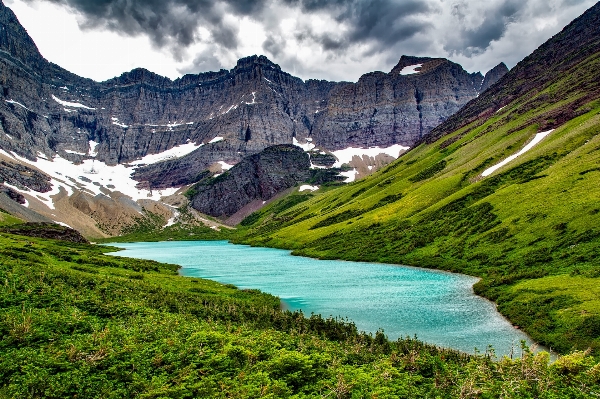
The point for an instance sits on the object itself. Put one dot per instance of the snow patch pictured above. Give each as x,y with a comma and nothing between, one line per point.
93,148
253,99
500,109
350,175
18,103
538,137
172,220
306,147
97,172
307,187
175,152
74,152
115,121
216,140
225,165
410,69
346,155
63,224
70,104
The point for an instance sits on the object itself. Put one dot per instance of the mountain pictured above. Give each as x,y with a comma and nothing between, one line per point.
506,189
113,149
493,75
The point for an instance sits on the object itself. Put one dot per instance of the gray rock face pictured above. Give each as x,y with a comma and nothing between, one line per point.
493,75
23,177
260,176
384,109
45,109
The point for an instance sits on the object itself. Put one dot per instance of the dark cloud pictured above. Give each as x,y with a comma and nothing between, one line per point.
172,23
494,23
204,61
384,21
274,45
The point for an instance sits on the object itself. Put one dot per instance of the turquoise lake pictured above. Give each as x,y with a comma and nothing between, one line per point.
438,307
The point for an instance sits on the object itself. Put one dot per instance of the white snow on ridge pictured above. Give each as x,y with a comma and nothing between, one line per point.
64,172
216,140
18,103
225,165
410,69
346,155
307,187
70,104
306,147
175,152
350,175
538,137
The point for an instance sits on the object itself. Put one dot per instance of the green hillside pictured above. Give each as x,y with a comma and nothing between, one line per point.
75,323
530,230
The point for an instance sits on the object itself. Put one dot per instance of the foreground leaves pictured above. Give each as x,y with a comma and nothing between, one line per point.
77,323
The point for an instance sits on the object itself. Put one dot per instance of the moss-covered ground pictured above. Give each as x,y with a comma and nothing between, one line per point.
75,323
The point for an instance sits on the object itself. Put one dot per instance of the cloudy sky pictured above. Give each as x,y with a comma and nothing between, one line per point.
333,39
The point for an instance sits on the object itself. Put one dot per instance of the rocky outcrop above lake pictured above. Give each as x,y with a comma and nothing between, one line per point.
260,176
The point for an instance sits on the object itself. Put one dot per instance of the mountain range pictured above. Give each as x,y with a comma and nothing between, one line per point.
107,148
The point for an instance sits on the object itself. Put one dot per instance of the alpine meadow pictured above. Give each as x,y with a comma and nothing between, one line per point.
493,176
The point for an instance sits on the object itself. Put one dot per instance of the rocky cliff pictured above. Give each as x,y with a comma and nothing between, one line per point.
204,121
257,177
493,75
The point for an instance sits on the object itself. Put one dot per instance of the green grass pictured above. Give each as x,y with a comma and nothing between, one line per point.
535,218
7,220
77,323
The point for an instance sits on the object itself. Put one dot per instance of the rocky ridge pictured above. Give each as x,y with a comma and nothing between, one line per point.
493,75
207,120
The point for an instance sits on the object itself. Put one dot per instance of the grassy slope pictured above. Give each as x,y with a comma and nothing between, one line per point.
77,323
530,230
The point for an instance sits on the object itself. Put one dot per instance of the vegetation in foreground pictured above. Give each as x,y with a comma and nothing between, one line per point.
77,323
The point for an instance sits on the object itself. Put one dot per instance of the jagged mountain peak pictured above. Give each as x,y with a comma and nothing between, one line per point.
15,40
493,75
260,60
426,63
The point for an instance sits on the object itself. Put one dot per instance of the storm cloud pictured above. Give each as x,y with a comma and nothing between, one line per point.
333,38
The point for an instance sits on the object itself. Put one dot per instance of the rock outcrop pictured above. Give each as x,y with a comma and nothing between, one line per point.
260,176
493,75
